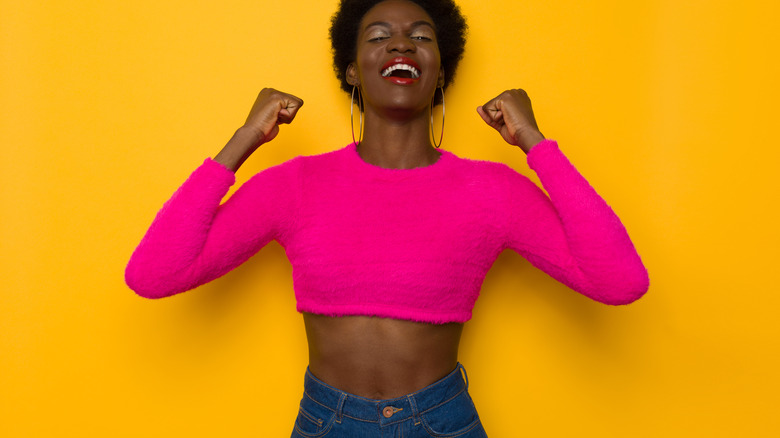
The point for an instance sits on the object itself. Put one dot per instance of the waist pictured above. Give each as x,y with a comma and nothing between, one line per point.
380,358
344,404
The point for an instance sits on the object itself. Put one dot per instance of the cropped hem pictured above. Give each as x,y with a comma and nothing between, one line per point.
384,311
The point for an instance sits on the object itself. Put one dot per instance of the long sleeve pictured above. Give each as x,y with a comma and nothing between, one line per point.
193,239
573,235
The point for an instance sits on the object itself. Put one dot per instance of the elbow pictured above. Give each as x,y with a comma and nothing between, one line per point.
146,284
150,293
624,289
623,298
145,288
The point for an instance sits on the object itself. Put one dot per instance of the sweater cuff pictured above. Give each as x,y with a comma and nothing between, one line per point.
542,151
218,171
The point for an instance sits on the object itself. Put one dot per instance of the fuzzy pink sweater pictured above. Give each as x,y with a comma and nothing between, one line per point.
410,244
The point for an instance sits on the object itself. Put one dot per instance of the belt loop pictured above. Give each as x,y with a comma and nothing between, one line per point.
415,414
340,407
463,372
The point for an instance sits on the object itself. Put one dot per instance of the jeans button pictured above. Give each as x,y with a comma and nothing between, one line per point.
388,412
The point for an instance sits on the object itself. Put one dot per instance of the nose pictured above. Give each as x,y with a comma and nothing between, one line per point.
401,44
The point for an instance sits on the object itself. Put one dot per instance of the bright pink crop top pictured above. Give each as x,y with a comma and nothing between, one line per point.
411,244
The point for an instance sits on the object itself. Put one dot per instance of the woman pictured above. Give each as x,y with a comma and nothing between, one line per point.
389,238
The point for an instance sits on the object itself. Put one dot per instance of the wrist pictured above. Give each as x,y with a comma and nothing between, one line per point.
527,140
246,135
243,143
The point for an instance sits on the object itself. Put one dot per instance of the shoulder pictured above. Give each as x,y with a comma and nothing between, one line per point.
491,171
301,164
322,162
498,181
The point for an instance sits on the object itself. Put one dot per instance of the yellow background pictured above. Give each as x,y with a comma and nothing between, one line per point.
668,107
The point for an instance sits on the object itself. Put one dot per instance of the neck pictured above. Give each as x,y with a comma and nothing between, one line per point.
397,143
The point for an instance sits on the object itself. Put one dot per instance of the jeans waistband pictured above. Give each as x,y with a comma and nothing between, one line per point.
390,410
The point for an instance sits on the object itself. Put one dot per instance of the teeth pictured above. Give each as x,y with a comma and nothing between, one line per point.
389,70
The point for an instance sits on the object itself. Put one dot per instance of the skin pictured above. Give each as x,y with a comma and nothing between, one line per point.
374,357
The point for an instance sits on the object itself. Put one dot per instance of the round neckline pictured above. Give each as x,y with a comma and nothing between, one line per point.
444,156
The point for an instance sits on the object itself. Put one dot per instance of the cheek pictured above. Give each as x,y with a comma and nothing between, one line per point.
365,63
436,59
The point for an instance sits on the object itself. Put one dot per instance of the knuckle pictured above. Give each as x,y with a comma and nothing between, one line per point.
273,92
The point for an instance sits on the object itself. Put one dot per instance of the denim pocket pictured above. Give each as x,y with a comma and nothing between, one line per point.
314,420
456,417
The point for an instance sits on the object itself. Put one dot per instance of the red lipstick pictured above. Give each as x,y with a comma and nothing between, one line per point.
401,63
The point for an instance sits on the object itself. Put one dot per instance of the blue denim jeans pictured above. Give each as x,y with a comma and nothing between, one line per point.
442,409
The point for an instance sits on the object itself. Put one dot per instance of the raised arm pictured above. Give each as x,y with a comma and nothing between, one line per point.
193,239
271,109
573,235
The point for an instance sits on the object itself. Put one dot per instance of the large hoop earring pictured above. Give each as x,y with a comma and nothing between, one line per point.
441,136
352,116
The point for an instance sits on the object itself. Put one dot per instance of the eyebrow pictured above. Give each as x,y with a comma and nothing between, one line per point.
415,24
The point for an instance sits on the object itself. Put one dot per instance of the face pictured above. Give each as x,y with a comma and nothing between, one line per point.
398,65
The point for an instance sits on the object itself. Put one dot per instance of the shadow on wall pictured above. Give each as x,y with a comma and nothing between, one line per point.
520,304
264,276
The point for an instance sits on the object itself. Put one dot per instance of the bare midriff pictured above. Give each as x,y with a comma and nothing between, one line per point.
380,358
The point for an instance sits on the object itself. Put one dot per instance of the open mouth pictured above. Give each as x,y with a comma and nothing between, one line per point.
401,70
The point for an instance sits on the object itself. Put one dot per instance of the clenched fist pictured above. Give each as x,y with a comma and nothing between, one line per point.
271,109
510,114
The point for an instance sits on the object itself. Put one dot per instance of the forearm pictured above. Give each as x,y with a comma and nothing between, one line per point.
597,257
160,264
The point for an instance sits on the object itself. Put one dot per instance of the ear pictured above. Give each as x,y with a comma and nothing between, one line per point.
352,75
441,77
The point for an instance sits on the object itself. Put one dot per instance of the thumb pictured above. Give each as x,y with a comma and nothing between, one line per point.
284,116
485,116
494,118
288,113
